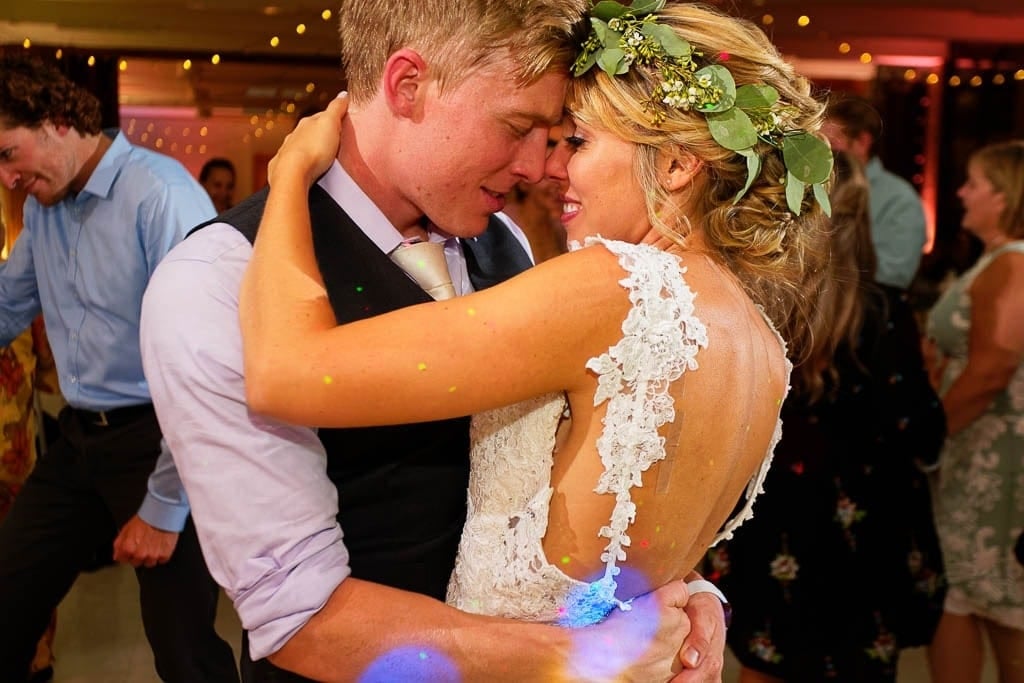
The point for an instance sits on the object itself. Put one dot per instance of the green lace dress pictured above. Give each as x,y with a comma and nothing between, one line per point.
979,488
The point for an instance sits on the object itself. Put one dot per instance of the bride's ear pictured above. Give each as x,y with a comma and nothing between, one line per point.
679,170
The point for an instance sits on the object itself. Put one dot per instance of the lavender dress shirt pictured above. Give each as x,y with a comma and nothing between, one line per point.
263,505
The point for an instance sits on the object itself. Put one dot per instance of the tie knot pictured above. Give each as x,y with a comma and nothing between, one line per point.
425,263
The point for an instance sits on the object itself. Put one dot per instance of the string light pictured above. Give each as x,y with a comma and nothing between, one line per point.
909,74
91,61
187,64
954,81
998,79
326,15
865,57
803,20
300,29
844,48
767,20
215,60
275,41
122,65
27,43
975,81
932,79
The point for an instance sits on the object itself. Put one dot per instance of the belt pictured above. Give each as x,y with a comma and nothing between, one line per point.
114,417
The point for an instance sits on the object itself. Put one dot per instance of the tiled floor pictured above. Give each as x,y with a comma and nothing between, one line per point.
100,639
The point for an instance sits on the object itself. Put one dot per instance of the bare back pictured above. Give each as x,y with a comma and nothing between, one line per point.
685,402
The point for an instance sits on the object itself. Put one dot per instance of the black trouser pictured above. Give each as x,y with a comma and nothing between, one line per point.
90,482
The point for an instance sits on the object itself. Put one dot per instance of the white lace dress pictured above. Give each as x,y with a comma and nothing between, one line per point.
501,568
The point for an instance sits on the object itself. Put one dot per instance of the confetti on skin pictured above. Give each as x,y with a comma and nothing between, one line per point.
424,655
328,379
471,312
451,390
359,289
645,543
421,367
657,529
566,560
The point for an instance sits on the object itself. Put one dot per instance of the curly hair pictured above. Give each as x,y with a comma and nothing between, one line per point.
33,93
779,258
836,322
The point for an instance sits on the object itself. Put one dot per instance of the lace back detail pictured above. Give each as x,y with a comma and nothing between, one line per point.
661,336
501,568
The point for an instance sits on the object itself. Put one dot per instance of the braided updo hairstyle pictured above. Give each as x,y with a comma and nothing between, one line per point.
778,257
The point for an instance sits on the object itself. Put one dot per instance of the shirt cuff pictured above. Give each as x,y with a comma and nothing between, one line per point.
282,602
705,586
163,515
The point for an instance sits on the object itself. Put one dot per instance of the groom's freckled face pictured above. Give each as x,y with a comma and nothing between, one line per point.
476,141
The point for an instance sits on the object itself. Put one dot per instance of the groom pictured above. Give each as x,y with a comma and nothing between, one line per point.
442,124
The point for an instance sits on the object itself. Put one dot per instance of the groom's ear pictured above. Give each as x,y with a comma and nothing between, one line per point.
405,83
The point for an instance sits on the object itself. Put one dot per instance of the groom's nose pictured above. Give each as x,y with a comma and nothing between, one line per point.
531,157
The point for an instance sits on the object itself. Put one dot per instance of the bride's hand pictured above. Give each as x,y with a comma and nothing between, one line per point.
308,151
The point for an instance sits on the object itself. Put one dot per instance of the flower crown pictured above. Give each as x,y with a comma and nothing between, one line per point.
738,118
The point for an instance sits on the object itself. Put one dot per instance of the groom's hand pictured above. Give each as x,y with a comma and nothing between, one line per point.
703,652
641,644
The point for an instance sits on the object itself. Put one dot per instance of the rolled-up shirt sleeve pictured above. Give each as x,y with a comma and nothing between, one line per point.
262,503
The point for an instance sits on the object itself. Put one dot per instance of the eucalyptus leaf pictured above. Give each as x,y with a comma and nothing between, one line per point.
822,196
721,78
612,40
600,29
583,68
807,157
753,169
608,9
732,129
640,8
613,61
673,45
752,96
794,192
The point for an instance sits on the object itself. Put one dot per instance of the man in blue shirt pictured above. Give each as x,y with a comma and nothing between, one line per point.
100,216
897,218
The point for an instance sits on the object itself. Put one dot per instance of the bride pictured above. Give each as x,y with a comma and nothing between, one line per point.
626,395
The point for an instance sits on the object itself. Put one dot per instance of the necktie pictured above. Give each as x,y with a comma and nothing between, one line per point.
426,264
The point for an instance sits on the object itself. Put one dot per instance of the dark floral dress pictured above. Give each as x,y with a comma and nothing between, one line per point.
840,566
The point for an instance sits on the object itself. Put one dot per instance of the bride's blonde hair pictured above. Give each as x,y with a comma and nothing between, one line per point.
777,256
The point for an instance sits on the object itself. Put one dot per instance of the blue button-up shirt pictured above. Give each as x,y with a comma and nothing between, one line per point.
85,263
897,225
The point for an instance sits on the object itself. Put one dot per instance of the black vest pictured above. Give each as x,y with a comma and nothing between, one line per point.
401,489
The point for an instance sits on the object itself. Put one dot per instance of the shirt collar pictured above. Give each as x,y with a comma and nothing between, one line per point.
113,160
360,208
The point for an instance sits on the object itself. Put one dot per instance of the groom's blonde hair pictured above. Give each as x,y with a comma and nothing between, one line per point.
457,37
